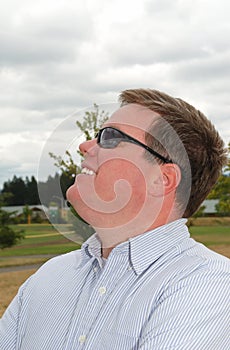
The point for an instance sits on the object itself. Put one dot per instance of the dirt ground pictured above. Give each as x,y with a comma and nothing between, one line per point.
222,249
9,284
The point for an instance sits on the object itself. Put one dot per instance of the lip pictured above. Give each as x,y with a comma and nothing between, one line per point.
85,165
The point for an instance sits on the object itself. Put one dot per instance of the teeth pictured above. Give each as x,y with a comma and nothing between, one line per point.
87,171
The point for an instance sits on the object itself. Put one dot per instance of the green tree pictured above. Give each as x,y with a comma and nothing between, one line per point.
223,207
221,188
91,124
21,192
17,187
8,235
197,214
31,197
49,189
27,213
221,191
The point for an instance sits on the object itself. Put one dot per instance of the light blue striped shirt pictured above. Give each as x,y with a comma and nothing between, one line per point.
159,290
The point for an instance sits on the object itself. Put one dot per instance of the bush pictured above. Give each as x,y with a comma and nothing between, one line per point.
8,236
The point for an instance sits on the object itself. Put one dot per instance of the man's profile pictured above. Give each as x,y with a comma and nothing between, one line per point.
139,282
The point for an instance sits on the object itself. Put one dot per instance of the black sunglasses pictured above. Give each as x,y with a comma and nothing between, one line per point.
109,137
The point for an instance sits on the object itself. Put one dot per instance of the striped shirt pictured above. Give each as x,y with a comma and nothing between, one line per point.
159,290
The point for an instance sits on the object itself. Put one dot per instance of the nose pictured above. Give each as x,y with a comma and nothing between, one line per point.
88,147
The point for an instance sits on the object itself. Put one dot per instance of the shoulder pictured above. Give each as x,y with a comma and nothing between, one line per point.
208,259
199,267
61,264
55,272
68,260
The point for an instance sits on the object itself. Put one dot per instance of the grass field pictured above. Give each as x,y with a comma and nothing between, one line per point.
40,239
44,239
216,238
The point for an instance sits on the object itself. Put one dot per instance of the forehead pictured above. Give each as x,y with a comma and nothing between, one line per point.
133,116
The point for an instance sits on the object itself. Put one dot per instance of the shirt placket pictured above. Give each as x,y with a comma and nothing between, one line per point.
94,316
75,327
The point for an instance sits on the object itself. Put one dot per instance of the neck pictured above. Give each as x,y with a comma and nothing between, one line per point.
154,213
111,237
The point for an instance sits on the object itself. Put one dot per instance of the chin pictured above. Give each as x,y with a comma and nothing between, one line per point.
72,194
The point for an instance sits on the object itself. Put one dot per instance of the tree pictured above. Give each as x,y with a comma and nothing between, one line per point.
32,196
8,236
92,122
21,192
49,189
197,214
27,212
17,187
223,207
221,191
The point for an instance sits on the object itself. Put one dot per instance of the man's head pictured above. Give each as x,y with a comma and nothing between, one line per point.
202,143
121,189
130,188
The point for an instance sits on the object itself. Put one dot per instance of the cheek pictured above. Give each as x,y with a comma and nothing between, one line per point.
114,196
122,174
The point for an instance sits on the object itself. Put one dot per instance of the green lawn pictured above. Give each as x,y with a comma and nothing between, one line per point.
211,235
40,239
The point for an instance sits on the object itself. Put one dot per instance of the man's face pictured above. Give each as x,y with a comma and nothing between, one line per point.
113,188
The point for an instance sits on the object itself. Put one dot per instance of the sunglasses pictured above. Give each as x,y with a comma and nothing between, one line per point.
109,137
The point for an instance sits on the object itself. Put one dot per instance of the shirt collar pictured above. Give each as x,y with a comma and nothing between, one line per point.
144,249
91,248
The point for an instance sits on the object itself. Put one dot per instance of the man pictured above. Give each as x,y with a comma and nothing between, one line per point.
140,282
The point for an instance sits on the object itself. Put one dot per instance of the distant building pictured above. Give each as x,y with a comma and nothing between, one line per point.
37,209
210,206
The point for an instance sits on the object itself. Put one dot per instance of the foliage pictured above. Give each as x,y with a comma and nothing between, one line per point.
223,207
92,122
4,197
221,191
41,239
19,192
49,189
221,188
8,236
197,214
27,213
67,167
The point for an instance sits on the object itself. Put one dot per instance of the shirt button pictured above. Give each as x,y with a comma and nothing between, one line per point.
102,290
95,269
82,339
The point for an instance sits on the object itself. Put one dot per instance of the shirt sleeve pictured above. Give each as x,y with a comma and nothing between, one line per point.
8,326
9,321
192,315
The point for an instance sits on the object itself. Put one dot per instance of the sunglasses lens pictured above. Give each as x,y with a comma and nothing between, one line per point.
110,138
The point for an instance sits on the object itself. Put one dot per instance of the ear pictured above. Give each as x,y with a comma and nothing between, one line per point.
167,181
171,177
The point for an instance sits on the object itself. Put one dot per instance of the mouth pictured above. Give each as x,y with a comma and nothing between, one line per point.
87,171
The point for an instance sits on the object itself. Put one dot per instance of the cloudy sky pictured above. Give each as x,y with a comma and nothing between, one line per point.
59,56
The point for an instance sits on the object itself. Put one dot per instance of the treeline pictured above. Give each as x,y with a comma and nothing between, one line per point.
20,192
28,191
